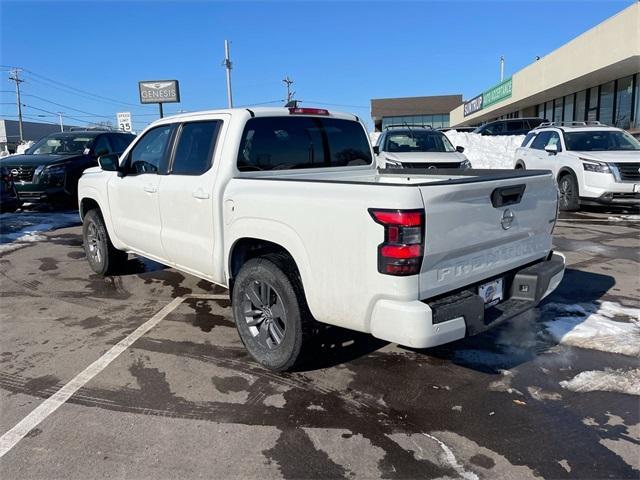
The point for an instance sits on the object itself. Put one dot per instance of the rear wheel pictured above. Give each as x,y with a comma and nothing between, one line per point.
569,198
103,257
270,311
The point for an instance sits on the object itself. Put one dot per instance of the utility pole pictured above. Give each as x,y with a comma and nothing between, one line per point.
501,67
228,66
16,78
288,82
61,123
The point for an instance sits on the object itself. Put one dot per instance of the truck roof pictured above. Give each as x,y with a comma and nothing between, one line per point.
253,112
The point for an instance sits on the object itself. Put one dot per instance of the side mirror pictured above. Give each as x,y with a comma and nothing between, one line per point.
108,163
376,150
552,149
459,149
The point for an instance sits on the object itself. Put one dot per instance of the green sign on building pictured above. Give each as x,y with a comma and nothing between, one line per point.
497,93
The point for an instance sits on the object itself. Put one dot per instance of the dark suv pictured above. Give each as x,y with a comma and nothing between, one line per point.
50,169
512,126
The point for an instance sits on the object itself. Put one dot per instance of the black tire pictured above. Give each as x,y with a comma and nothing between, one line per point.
103,257
568,194
271,312
520,166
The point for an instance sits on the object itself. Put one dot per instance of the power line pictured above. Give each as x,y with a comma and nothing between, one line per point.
65,106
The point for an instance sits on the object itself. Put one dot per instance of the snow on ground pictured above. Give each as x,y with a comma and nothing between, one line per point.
624,218
620,380
486,151
604,326
17,229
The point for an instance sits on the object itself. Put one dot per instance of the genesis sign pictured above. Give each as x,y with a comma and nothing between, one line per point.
159,91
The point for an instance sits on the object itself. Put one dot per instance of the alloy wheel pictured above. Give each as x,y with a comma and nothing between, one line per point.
264,314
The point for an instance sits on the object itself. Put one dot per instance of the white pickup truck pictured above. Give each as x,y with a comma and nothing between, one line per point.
286,208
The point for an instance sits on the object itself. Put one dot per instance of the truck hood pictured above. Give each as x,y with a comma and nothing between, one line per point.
35,160
618,156
421,157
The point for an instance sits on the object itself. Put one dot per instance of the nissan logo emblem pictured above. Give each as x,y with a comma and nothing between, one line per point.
507,219
14,172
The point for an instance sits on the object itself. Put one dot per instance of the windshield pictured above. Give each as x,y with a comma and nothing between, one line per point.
417,141
600,141
62,144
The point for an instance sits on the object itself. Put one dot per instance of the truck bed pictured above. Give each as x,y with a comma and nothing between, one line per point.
396,177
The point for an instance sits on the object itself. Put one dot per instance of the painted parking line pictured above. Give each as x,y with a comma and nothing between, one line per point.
51,404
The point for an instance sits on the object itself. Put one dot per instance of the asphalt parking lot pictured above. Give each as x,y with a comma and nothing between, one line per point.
185,401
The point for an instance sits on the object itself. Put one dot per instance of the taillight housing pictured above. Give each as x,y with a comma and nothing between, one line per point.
403,248
307,111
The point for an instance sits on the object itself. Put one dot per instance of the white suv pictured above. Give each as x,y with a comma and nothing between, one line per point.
593,163
417,147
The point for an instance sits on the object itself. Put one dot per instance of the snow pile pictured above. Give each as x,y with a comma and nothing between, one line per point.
20,149
621,381
591,325
17,229
624,218
21,241
486,151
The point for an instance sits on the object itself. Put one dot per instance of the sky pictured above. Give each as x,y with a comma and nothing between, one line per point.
87,57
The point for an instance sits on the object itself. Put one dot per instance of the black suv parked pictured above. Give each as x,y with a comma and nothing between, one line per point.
50,169
512,126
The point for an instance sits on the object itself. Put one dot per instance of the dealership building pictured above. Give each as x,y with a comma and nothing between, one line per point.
426,111
593,77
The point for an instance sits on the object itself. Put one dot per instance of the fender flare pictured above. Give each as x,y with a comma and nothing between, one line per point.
92,193
275,232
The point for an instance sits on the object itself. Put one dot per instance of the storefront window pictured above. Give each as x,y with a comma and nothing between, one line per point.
606,103
568,108
636,116
581,98
557,110
592,109
623,102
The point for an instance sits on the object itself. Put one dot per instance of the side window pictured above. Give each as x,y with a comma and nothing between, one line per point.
120,141
101,146
541,140
527,139
554,139
515,126
150,151
194,151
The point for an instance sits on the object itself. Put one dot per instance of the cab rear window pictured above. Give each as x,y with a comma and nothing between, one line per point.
282,143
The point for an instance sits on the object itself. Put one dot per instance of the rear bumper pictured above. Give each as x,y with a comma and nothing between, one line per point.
422,324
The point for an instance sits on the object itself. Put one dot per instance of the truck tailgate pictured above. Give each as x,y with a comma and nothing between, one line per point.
478,230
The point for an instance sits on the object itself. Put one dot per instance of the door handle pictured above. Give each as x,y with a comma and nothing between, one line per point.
201,194
150,188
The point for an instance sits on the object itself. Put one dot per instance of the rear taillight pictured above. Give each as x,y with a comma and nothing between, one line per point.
401,252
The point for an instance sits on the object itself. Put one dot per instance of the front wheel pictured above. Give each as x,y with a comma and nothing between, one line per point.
569,199
270,311
103,257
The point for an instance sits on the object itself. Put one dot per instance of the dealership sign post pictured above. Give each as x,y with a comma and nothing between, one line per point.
124,121
159,91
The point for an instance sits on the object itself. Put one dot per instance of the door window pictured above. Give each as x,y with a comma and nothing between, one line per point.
120,141
150,152
101,146
194,151
541,140
554,139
